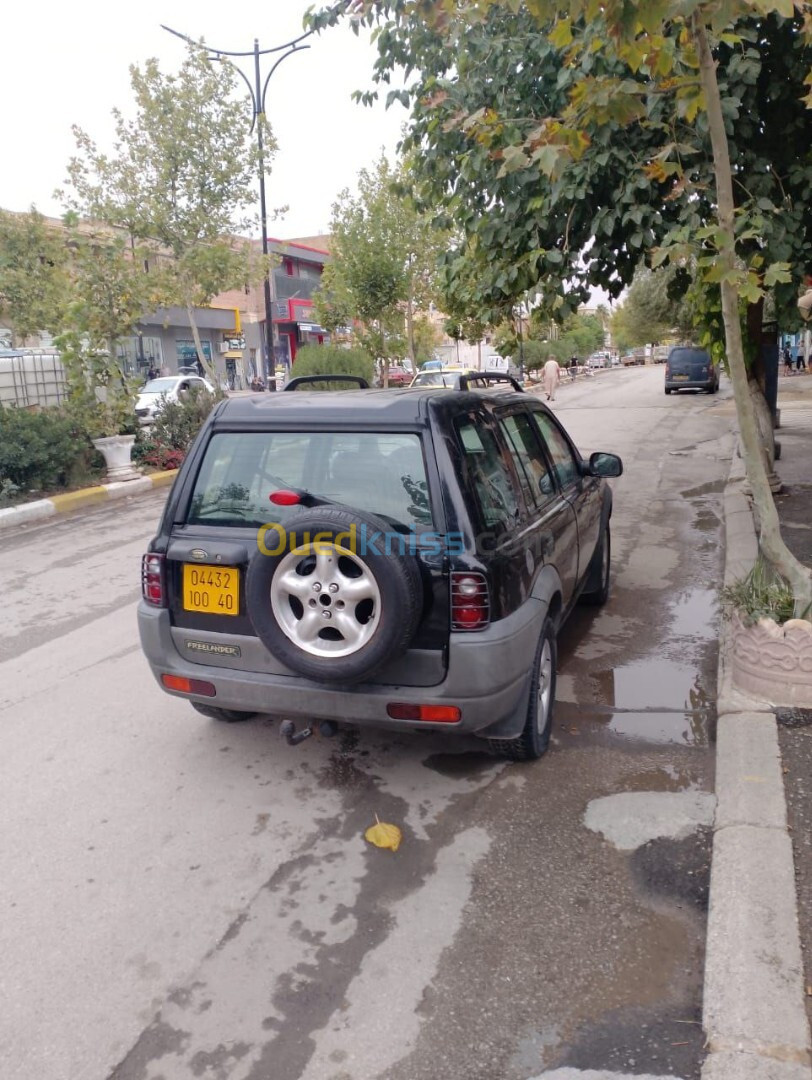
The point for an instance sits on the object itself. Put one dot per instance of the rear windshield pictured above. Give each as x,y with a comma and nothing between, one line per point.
383,474
435,378
688,359
160,386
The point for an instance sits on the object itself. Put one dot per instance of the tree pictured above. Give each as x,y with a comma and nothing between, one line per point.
179,180
109,292
610,136
650,312
33,274
384,261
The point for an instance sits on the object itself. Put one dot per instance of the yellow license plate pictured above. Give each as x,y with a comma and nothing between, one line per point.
214,590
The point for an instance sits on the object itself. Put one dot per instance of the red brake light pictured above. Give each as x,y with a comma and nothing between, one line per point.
153,579
182,685
285,498
470,601
435,714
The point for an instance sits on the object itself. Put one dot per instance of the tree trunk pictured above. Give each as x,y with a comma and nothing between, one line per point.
384,357
209,368
410,332
771,544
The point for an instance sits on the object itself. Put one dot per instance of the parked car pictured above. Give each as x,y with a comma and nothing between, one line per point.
688,368
597,361
399,376
449,377
404,560
157,392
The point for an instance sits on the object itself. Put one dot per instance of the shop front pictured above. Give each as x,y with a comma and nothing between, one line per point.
294,326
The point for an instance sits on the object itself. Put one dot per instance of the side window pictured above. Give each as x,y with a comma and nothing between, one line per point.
564,461
488,474
534,473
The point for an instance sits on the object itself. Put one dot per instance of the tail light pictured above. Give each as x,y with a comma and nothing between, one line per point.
182,685
434,714
470,601
153,579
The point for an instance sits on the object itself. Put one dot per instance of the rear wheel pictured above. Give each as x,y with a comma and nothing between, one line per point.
668,389
535,736
226,716
598,581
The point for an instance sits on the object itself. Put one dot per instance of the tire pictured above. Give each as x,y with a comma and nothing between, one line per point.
335,610
226,716
597,597
535,736
668,389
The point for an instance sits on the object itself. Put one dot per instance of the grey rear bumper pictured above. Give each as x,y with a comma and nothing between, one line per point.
488,678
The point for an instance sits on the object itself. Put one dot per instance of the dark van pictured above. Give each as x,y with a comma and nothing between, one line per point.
688,368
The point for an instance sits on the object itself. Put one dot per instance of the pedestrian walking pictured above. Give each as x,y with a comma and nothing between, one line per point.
152,373
573,369
551,377
787,361
801,361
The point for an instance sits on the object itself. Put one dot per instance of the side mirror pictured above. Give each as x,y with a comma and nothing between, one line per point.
606,465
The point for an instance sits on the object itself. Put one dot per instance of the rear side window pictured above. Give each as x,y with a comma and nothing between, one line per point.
488,474
565,464
382,474
531,466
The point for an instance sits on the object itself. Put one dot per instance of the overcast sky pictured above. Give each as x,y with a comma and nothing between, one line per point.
66,63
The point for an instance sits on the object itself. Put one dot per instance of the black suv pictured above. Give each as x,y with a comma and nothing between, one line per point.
399,558
688,368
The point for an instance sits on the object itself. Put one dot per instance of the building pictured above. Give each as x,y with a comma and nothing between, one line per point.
294,282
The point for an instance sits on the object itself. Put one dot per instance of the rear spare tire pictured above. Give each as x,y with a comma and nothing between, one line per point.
337,597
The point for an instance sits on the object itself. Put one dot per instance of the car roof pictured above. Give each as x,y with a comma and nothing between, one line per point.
363,408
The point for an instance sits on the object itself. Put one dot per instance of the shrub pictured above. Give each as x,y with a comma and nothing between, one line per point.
164,444
333,360
761,595
41,450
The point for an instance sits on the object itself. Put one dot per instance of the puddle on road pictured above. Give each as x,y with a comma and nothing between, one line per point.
588,724
687,729
468,763
712,488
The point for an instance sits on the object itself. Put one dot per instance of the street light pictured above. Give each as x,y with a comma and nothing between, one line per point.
258,92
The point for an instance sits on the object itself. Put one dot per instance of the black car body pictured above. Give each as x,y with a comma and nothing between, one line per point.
689,368
486,525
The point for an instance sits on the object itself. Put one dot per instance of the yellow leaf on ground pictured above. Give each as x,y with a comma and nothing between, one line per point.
383,835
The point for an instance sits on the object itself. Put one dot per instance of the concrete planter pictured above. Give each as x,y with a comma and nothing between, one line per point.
117,451
773,662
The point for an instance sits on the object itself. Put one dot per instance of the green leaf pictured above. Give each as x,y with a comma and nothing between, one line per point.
561,34
777,272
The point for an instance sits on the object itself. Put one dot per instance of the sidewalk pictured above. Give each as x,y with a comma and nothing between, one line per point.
755,1010
795,726
41,509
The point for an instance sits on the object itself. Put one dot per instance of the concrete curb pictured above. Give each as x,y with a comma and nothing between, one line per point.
754,1011
77,500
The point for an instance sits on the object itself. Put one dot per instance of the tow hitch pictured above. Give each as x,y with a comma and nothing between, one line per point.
287,729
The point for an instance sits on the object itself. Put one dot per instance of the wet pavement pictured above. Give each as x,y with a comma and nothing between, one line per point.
187,899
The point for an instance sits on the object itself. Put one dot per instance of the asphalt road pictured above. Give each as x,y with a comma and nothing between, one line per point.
183,899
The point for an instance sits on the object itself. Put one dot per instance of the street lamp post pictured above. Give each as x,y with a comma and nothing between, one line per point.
258,92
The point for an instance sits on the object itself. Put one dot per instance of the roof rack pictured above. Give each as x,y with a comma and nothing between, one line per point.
489,377
304,380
